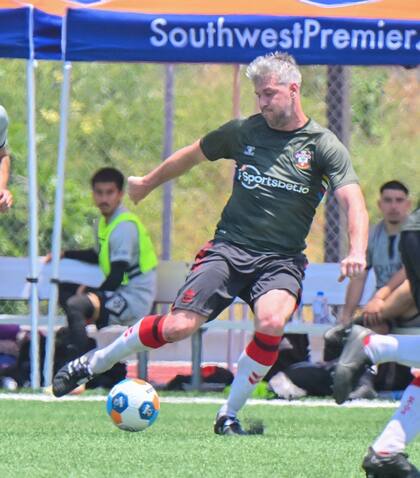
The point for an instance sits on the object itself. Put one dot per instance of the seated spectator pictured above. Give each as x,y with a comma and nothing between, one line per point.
392,294
126,256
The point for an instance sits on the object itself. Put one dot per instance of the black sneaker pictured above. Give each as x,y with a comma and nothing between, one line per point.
225,425
335,336
72,375
351,365
389,466
363,392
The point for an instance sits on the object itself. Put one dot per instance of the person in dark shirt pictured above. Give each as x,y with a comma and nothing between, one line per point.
284,162
386,457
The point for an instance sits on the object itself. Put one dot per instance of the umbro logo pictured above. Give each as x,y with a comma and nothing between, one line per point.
249,150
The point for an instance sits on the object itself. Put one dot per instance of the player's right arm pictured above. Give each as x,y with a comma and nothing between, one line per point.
175,165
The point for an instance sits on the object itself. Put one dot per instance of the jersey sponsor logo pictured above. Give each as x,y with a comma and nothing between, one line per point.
303,159
251,178
249,150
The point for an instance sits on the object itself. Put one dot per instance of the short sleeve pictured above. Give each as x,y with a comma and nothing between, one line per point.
124,242
335,162
219,142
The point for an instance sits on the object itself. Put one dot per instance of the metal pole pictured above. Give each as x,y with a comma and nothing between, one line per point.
338,115
167,150
33,225
196,356
58,213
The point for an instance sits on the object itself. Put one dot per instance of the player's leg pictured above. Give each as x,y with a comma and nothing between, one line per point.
364,348
273,297
198,299
79,308
386,457
272,311
148,333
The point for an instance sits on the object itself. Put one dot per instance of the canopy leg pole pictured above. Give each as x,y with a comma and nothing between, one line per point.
33,225
58,213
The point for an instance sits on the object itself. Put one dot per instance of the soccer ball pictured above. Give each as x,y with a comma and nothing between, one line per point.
133,405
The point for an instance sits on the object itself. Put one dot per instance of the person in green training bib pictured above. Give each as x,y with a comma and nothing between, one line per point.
125,254
284,162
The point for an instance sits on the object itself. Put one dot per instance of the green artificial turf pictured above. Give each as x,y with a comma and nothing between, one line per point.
77,439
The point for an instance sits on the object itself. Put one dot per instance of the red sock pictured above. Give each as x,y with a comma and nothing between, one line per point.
264,348
150,331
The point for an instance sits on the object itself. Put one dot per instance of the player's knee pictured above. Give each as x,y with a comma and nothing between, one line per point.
180,325
79,305
271,323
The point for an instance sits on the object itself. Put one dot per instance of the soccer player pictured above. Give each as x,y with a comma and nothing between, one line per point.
386,457
284,163
6,198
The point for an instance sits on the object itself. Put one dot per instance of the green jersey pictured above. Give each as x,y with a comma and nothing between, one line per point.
280,179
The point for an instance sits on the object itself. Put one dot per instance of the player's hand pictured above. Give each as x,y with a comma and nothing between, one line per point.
6,200
352,266
48,257
137,189
372,312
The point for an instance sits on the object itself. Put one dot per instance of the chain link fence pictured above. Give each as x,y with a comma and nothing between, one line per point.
117,117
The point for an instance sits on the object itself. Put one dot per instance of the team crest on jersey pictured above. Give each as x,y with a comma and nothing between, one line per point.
303,159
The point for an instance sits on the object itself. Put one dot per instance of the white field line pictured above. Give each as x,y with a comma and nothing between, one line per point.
39,397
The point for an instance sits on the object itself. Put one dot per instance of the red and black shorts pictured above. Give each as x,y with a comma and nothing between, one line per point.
223,271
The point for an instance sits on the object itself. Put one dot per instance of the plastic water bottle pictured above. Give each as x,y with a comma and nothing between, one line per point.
320,309
298,315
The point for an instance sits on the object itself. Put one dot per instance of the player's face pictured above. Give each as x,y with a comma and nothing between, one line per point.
275,101
394,205
107,197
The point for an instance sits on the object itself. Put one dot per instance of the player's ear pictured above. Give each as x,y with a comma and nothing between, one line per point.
294,89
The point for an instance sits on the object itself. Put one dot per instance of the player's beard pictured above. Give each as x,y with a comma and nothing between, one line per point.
279,120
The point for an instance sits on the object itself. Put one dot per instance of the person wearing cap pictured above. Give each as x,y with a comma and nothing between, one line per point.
6,198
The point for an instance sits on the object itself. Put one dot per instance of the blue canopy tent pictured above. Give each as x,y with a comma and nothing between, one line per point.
337,32
316,32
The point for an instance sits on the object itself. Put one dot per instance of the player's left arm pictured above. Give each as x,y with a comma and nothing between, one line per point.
352,201
6,198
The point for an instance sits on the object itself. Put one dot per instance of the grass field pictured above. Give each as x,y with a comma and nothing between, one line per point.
77,439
